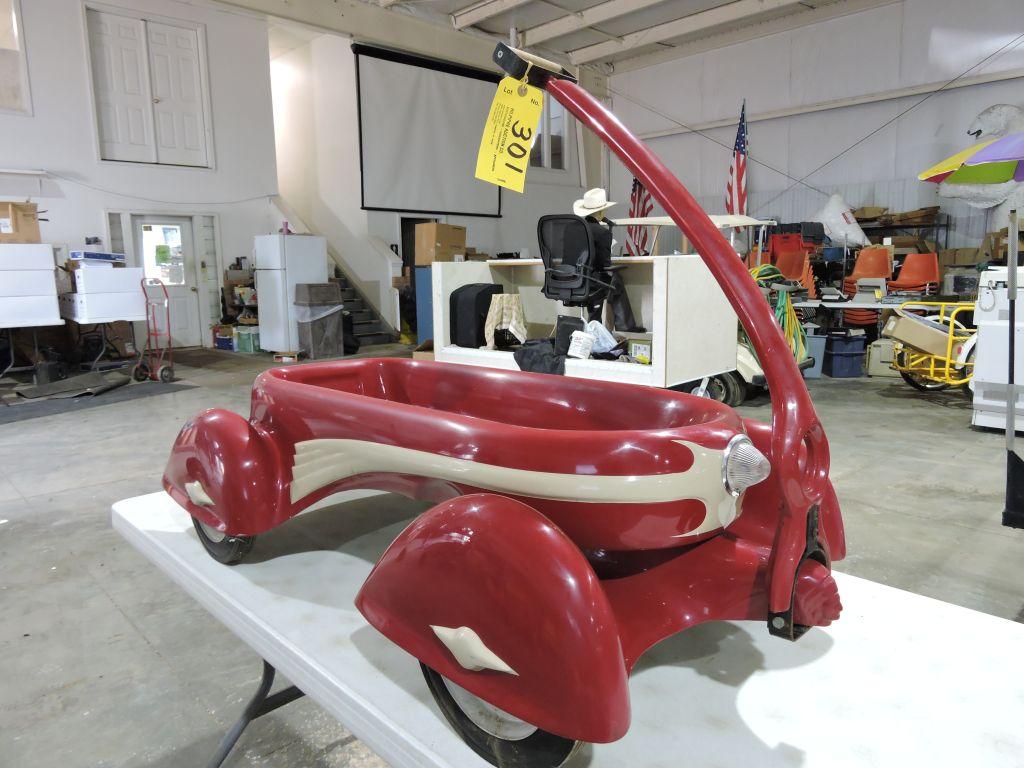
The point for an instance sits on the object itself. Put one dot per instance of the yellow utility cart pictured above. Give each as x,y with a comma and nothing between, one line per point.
935,343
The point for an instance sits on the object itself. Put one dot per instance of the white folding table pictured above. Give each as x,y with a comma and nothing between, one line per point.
900,680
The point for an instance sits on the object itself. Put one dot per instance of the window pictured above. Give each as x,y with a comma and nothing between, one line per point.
162,256
549,148
150,90
14,96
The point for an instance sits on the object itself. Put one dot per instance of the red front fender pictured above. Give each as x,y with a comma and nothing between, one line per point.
500,568
235,464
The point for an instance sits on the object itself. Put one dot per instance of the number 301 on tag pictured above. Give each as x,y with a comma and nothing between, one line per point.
509,134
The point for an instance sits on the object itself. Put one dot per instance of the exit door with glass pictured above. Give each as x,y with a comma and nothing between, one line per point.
165,245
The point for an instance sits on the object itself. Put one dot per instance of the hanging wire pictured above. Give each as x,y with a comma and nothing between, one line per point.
156,200
750,158
1012,44
802,181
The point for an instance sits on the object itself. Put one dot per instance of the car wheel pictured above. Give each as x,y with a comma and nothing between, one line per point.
223,548
498,737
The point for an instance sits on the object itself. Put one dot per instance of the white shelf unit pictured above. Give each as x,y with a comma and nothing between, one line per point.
692,327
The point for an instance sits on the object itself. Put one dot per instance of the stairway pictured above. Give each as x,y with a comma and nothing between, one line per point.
366,323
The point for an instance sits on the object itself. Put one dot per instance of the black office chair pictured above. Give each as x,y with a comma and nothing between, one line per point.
567,250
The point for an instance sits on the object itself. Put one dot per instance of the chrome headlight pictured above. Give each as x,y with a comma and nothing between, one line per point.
743,465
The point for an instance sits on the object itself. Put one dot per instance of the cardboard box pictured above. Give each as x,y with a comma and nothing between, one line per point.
917,332
424,351
28,282
994,246
472,254
19,223
966,257
869,212
20,256
238,277
92,278
438,242
24,311
103,307
947,258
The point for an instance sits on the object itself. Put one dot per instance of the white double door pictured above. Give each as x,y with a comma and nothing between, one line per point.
165,248
148,86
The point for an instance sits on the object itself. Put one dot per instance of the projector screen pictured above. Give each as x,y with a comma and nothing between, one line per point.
419,129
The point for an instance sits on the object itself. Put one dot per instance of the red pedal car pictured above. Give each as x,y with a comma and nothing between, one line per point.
577,522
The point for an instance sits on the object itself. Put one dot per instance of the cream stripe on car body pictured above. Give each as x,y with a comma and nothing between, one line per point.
322,462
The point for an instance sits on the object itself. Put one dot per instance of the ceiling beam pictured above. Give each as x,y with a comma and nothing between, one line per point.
482,11
697,22
566,25
751,32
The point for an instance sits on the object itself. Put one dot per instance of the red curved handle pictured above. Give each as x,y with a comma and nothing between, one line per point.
794,422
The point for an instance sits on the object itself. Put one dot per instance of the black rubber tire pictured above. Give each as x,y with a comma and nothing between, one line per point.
140,371
965,388
922,385
165,373
539,750
722,388
231,550
736,389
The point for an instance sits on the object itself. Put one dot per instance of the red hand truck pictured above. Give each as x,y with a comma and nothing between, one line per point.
155,360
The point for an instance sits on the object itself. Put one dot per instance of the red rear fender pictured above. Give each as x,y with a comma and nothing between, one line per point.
225,473
499,569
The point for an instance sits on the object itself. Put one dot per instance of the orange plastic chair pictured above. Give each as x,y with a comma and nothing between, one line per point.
871,262
920,270
792,264
796,265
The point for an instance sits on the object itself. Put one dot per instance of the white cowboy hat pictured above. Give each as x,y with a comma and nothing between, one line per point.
594,200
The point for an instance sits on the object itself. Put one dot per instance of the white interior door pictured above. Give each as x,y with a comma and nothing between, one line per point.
177,94
121,87
164,244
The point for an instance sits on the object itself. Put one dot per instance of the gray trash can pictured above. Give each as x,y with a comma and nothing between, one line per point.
318,311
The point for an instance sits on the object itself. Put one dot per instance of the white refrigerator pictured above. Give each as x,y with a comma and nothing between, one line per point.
282,262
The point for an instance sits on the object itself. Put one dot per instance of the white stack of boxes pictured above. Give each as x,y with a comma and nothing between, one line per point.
28,288
103,290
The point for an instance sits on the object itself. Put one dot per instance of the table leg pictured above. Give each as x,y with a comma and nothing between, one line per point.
10,347
260,704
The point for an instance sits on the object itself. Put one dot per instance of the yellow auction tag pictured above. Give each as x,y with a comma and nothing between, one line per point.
509,134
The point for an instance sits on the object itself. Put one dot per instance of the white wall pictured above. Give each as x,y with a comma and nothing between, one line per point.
315,108
907,44
317,133
60,135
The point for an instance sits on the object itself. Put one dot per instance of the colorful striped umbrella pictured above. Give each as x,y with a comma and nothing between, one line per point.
990,162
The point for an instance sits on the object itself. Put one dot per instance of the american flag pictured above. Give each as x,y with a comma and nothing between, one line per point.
736,188
640,204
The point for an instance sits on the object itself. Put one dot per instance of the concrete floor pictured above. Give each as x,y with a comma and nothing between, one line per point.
104,662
